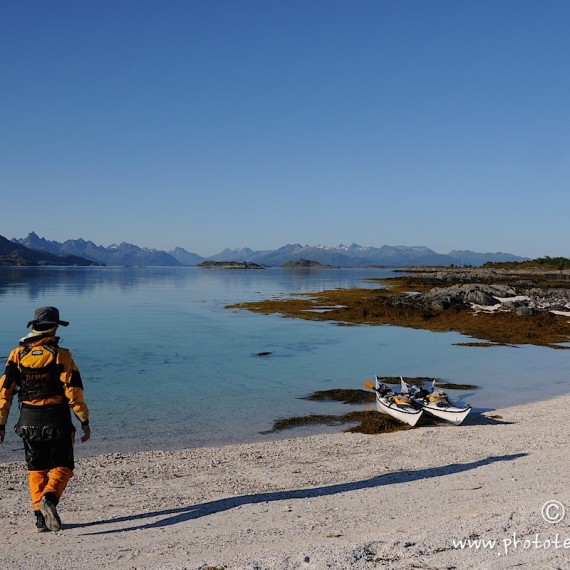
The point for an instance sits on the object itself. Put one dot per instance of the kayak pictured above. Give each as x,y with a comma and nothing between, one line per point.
436,403
399,406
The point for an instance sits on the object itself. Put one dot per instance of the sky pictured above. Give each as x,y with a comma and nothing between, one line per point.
258,123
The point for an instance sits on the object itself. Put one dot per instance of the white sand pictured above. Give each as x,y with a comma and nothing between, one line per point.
335,501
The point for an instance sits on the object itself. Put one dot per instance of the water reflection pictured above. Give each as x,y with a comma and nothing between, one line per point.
38,281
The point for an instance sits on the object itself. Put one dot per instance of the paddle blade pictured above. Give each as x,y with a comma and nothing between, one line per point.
369,385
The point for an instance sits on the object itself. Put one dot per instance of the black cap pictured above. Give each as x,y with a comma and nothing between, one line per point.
47,316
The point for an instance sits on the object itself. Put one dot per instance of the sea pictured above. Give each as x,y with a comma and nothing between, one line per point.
166,365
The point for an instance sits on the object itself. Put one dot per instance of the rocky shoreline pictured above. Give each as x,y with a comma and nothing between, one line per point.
500,306
524,294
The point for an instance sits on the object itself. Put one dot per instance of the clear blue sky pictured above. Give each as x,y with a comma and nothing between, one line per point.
207,124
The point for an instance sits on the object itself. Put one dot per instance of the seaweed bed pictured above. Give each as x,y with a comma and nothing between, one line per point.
369,421
344,395
371,306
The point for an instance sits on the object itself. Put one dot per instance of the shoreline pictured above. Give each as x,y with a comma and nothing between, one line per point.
12,450
339,500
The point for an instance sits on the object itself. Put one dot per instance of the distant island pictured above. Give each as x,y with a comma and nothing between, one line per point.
305,263
230,265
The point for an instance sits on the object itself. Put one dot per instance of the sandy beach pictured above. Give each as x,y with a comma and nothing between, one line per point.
403,500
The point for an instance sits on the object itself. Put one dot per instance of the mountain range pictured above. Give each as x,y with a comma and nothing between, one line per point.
16,254
82,252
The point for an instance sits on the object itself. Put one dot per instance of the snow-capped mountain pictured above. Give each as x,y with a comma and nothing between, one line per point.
353,255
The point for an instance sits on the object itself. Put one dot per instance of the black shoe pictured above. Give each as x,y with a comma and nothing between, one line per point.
47,507
41,522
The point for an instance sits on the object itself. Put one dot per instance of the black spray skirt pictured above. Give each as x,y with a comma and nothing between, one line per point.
44,423
48,434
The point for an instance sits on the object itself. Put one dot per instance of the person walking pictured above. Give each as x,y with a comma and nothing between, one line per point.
48,384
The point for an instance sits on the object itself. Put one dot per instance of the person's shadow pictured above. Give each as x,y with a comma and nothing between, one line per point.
183,514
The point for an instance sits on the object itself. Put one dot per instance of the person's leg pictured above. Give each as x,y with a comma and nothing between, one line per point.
38,480
61,459
58,479
61,464
38,477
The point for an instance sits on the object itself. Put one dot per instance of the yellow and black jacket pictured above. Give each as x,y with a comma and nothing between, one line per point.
43,375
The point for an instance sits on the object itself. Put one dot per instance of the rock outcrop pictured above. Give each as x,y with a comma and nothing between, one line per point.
304,263
521,300
230,265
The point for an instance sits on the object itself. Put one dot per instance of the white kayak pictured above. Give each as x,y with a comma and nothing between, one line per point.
399,406
436,403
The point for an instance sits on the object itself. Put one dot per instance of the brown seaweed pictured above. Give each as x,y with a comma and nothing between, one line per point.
369,422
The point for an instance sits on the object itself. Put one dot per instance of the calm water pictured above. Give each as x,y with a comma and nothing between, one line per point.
165,365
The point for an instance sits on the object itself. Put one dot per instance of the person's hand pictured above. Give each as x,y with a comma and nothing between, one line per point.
86,434
2,433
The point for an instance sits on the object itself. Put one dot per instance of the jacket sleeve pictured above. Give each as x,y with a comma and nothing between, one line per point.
73,386
8,386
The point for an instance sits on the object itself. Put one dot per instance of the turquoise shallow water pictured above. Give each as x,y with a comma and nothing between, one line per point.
166,365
